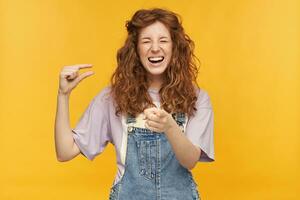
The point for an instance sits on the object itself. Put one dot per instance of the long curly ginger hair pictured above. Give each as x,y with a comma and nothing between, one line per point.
129,82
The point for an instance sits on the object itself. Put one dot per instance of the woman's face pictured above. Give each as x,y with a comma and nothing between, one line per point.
155,49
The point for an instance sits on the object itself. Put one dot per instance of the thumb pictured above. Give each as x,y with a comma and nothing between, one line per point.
83,76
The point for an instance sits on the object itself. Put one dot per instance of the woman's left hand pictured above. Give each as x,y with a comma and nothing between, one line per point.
158,120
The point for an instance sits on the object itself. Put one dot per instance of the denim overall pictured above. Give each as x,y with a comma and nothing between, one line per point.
152,171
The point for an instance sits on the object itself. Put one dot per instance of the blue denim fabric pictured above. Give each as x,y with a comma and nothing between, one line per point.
152,171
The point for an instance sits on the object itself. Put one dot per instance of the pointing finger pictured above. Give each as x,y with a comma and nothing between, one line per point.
80,66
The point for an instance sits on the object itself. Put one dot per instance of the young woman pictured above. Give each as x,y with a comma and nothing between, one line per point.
154,113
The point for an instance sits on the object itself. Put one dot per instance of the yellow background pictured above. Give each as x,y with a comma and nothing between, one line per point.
250,67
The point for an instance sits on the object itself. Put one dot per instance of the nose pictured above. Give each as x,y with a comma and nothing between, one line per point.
155,47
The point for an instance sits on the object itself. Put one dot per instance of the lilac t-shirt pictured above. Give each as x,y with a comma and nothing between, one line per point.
99,125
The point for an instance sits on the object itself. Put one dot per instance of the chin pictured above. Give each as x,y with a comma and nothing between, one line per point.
156,71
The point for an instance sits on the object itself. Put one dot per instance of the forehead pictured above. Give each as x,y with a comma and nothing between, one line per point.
157,29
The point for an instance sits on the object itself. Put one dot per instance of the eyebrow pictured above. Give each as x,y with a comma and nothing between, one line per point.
148,38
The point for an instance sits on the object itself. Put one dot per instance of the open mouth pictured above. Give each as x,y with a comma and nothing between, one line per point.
157,59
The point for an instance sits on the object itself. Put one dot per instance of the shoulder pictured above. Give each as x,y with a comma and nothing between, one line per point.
203,98
102,102
104,95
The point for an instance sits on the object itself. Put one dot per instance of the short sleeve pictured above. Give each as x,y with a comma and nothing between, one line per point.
200,127
92,133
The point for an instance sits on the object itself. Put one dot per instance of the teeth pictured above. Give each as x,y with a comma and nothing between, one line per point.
156,59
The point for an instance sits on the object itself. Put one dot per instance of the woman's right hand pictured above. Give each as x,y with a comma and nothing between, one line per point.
69,77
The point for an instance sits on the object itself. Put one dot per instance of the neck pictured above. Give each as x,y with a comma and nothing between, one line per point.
155,83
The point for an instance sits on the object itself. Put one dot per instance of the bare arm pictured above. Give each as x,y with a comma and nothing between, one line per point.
187,153
65,147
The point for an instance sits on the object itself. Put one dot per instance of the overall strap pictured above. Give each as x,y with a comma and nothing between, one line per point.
180,119
130,119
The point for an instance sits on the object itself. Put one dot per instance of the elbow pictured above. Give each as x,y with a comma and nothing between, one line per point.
192,162
190,165
60,158
63,159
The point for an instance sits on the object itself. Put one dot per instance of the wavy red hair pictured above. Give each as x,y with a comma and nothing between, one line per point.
129,82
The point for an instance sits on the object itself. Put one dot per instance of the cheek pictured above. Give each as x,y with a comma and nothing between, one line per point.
142,52
169,49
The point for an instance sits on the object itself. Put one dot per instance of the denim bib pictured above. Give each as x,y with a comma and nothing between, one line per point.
152,171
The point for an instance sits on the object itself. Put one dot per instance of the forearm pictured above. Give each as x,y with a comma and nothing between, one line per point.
63,135
185,151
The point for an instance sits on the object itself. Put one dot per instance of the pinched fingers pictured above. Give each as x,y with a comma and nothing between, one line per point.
71,72
152,114
70,77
